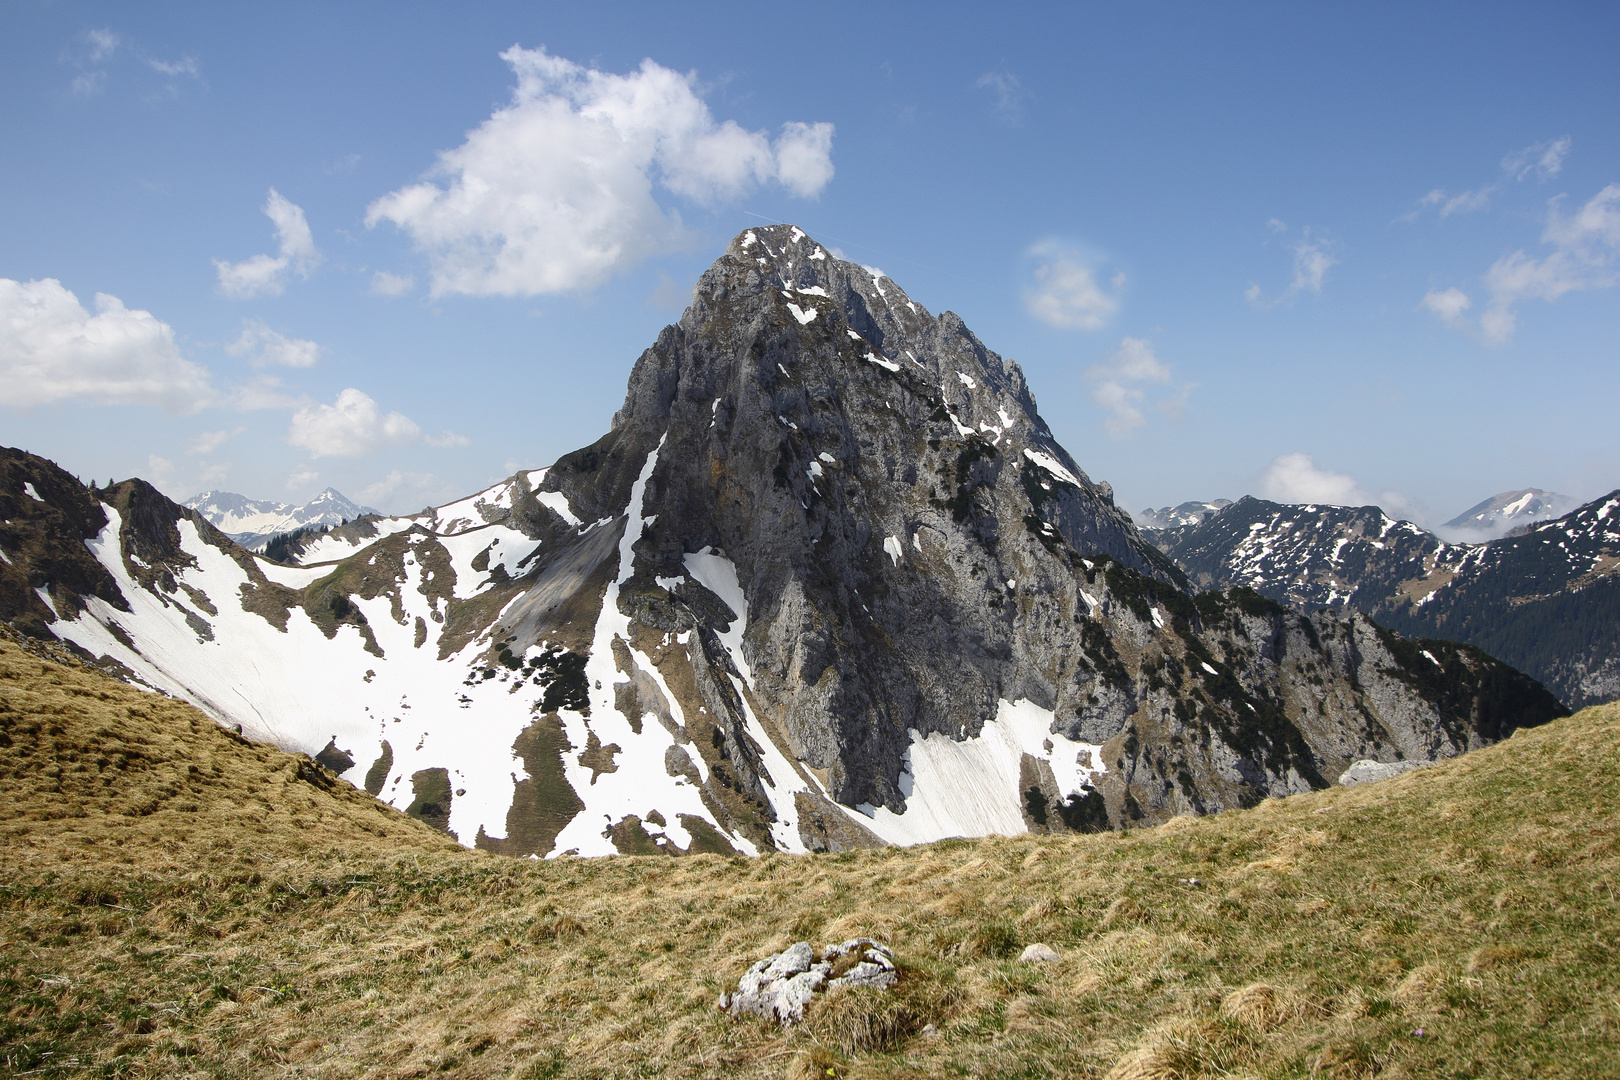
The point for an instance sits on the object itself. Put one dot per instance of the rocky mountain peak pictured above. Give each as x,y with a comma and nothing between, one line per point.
778,327
884,487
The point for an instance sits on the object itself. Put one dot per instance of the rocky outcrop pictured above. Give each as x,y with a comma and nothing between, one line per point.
780,987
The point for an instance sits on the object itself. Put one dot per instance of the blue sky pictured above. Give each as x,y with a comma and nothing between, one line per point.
1366,253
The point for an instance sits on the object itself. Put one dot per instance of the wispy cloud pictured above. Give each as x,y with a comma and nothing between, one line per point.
1313,259
667,295
398,486
384,283
302,477
159,470
97,50
1543,160
1585,249
103,43
1009,95
262,346
207,442
1466,202
186,65
263,391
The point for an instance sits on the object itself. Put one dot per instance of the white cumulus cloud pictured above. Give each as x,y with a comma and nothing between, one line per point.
1066,293
1296,478
52,349
260,346
263,275
1119,386
354,426
554,192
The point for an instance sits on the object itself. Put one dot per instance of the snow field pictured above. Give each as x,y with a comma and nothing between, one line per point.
970,788
298,689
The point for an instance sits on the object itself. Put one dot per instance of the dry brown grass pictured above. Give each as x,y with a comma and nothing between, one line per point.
251,923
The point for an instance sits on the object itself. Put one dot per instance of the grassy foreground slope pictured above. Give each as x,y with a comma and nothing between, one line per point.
174,902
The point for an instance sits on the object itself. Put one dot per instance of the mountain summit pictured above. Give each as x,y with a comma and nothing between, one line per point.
1500,514
828,581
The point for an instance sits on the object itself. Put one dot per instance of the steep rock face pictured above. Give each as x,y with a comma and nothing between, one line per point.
828,581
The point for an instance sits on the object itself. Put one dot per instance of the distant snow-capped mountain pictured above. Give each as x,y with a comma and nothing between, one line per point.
251,522
1501,514
1175,517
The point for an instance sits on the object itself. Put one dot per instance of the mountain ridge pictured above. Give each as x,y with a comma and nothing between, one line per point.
252,522
1544,597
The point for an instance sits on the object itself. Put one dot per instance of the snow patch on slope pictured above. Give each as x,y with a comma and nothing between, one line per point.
640,783
970,788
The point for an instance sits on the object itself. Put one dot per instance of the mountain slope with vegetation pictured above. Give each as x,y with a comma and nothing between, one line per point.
205,911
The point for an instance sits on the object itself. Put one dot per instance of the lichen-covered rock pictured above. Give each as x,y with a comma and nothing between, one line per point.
780,987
